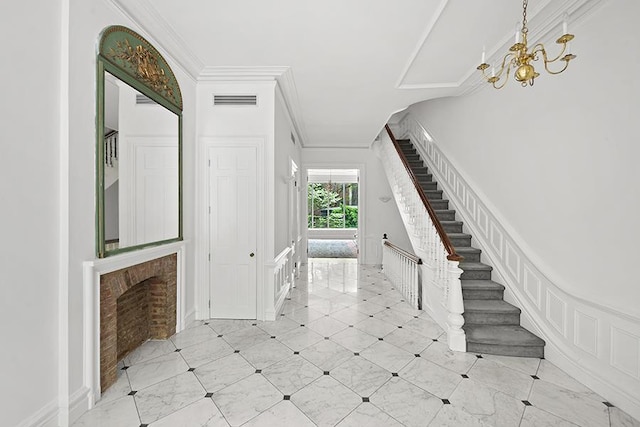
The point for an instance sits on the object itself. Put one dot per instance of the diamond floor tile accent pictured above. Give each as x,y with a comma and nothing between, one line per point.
335,370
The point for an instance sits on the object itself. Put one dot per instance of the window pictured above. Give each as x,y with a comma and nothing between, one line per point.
333,205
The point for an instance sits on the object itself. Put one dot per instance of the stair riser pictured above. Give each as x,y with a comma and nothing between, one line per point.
460,241
482,318
470,257
412,157
439,205
501,350
447,216
475,274
434,195
424,177
482,294
429,185
420,170
453,228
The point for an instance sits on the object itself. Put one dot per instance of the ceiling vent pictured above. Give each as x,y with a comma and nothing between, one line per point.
235,99
144,100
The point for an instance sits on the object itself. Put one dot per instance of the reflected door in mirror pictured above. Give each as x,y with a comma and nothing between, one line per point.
141,171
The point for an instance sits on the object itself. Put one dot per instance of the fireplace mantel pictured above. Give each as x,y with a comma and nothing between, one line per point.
92,270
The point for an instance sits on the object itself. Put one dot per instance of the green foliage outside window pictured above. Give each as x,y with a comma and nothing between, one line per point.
327,208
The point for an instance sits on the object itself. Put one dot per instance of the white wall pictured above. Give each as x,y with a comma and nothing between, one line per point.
558,160
285,151
29,216
379,217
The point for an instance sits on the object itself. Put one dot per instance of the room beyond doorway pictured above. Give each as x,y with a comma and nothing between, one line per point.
332,248
333,216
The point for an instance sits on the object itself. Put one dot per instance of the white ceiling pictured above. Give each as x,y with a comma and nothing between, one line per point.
351,64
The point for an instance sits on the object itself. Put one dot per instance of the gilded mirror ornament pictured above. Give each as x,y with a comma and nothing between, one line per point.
132,53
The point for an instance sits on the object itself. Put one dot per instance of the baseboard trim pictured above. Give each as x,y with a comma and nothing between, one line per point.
591,379
79,403
190,318
47,416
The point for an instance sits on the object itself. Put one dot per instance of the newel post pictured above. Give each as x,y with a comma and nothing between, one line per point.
455,334
384,252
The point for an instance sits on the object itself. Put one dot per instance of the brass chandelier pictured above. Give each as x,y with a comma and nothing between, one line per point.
520,59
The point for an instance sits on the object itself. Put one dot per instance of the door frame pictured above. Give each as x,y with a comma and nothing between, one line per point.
202,290
361,167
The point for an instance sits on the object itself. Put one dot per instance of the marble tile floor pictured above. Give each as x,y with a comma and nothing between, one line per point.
346,351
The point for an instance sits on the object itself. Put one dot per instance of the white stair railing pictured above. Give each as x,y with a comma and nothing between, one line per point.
440,279
403,270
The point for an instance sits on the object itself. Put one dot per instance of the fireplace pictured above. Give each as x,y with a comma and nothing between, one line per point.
137,303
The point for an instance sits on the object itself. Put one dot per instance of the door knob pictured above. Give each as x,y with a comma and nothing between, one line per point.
252,254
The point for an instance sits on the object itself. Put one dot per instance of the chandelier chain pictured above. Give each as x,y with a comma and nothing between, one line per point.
525,3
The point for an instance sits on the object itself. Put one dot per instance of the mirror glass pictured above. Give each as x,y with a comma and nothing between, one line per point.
141,170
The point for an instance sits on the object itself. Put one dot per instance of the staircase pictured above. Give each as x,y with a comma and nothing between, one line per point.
492,326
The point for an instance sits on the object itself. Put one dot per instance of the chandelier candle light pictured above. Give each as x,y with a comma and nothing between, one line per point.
519,57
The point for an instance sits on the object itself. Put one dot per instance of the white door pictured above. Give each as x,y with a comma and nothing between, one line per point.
233,232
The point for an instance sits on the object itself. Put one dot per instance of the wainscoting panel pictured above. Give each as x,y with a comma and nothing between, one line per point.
599,346
625,351
556,312
586,332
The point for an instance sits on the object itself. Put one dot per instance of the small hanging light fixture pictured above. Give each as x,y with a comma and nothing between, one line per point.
520,59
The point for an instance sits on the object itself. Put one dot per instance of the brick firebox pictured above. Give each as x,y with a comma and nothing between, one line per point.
137,303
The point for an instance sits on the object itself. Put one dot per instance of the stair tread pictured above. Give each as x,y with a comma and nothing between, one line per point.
489,306
474,266
481,285
506,335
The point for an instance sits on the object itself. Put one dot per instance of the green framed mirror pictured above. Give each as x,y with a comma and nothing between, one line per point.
139,146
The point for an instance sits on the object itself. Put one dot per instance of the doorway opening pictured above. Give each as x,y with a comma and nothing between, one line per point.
332,208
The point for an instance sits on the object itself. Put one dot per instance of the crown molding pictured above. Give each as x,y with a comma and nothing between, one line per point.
242,73
155,28
287,85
